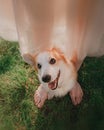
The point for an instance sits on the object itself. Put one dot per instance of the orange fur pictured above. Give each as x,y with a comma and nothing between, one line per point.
58,55
74,59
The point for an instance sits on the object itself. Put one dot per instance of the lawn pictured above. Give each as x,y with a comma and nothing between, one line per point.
18,81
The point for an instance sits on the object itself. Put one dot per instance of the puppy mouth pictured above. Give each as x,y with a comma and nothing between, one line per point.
53,85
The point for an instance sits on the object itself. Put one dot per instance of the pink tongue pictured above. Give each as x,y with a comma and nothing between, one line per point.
51,85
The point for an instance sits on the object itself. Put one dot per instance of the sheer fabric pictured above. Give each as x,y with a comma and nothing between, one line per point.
72,25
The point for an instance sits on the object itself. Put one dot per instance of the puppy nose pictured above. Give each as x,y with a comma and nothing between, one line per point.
46,78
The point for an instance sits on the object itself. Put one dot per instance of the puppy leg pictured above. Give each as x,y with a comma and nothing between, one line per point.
76,94
40,96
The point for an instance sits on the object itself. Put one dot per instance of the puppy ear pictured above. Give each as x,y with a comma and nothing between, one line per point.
30,59
74,59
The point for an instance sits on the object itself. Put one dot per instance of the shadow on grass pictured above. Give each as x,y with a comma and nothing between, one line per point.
9,55
5,63
62,115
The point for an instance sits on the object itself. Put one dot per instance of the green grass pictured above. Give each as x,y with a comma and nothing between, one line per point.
18,81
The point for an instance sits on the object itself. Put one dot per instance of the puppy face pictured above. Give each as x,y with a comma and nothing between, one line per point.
52,67
49,69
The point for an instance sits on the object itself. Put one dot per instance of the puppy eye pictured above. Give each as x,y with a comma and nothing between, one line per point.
39,66
52,61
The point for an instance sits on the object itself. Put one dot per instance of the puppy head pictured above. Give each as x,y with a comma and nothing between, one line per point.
51,65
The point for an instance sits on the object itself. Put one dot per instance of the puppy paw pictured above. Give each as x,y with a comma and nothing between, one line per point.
76,94
40,97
